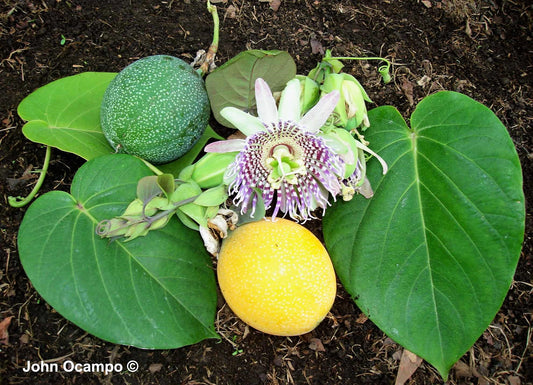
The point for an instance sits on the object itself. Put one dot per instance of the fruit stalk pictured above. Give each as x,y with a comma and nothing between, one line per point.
213,48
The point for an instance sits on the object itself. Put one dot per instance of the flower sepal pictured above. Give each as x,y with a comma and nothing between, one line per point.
353,154
310,92
346,147
209,170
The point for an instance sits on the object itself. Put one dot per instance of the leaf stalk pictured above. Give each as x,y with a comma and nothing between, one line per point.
21,202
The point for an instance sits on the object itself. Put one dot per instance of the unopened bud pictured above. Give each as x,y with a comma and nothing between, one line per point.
110,228
157,204
161,222
209,170
355,97
137,230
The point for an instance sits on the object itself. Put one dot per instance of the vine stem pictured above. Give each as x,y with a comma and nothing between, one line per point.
20,202
164,213
383,70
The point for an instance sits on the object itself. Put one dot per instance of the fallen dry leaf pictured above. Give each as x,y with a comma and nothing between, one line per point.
4,335
362,318
24,339
231,12
153,368
463,370
316,345
407,88
409,363
316,47
274,4
423,81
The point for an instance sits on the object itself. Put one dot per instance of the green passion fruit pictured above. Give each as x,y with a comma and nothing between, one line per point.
156,108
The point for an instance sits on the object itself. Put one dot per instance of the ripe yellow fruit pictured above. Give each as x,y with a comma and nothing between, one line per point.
277,277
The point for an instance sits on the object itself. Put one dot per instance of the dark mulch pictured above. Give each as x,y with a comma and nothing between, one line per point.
482,48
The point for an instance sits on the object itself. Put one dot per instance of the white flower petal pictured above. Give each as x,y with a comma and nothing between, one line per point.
319,114
289,103
266,105
245,123
230,145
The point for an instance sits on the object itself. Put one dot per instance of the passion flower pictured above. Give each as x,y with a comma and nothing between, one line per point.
282,158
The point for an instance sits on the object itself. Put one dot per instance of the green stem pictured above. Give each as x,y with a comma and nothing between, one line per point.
153,168
164,213
213,48
216,23
20,202
384,70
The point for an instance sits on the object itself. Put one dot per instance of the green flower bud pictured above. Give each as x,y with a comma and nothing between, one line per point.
137,230
334,82
350,111
214,196
157,204
184,192
134,209
161,222
354,98
110,228
186,173
209,170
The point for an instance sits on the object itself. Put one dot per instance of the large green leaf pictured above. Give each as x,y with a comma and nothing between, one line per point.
179,164
431,256
233,84
66,114
156,291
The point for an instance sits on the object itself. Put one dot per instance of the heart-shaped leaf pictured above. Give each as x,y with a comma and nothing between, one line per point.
66,114
431,256
157,291
233,84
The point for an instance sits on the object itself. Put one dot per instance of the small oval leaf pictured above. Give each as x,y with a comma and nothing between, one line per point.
233,84
66,114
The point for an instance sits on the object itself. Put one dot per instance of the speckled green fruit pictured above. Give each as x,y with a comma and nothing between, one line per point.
156,108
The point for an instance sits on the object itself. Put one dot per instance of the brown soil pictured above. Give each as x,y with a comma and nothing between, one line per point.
482,48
